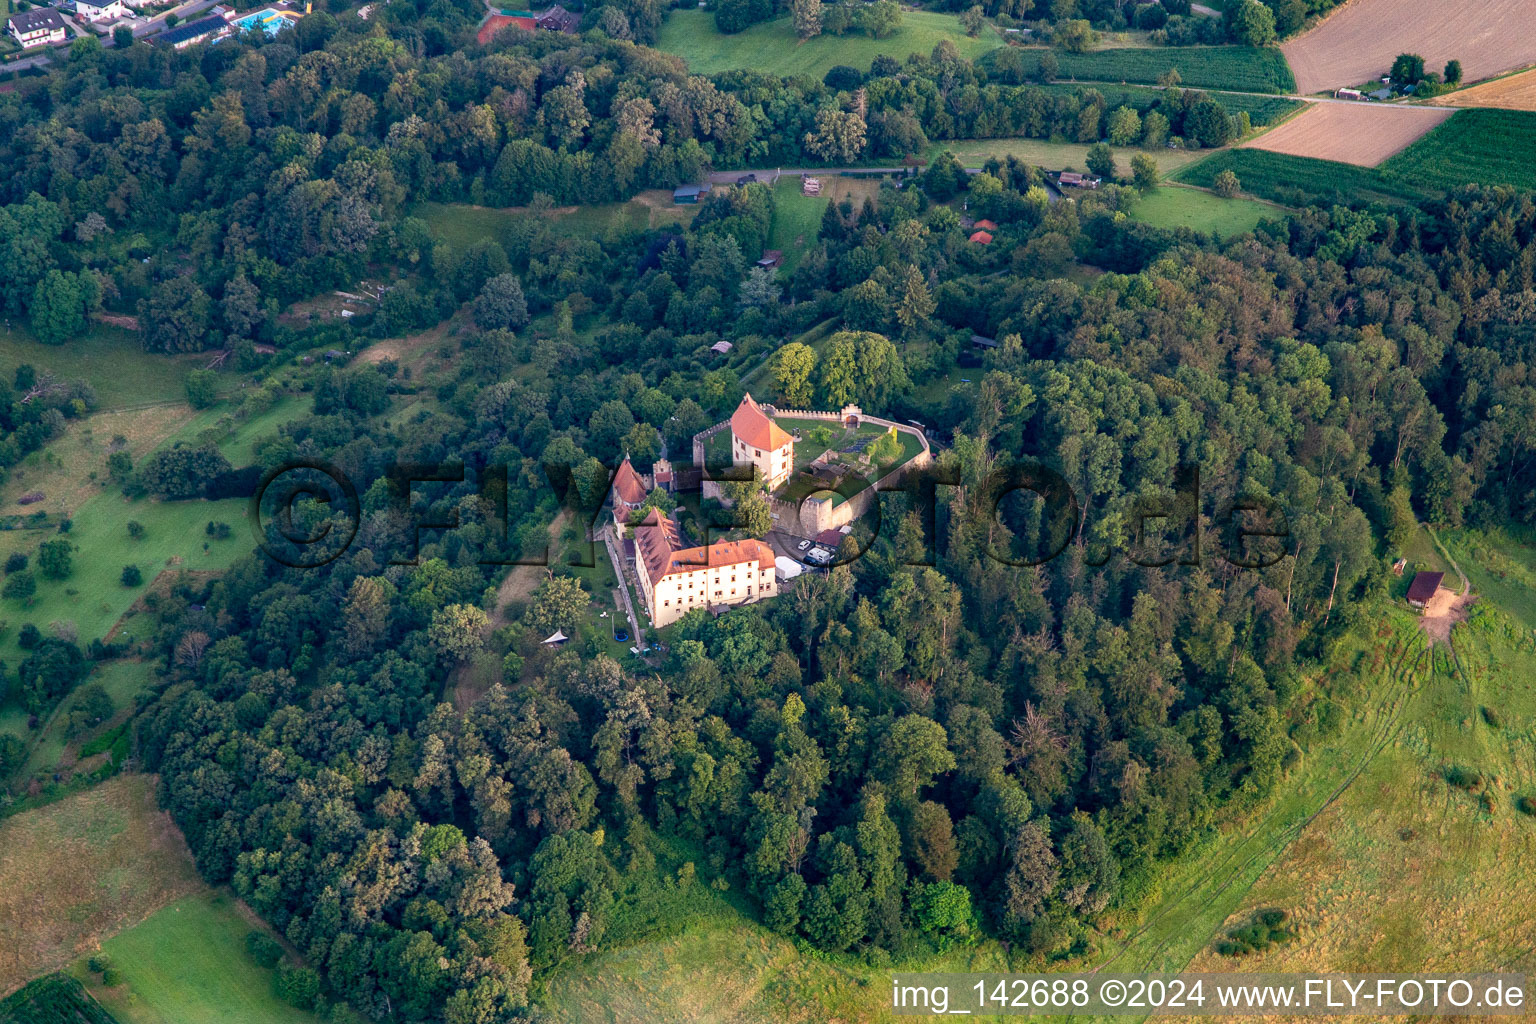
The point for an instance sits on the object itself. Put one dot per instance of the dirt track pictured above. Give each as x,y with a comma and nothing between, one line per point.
1359,41
1353,133
1517,92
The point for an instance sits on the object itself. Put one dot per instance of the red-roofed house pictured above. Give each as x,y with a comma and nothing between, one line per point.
628,492
982,238
985,225
758,441
677,580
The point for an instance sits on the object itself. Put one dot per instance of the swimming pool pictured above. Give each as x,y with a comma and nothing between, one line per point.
269,21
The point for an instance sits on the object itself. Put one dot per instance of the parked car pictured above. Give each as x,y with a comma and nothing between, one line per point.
803,545
746,179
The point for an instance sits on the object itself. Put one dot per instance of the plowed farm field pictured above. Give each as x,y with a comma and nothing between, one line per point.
1358,41
1363,134
1517,92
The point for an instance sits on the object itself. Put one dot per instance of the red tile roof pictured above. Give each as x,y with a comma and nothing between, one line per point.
657,539
986,225
753,426
627,485
981,238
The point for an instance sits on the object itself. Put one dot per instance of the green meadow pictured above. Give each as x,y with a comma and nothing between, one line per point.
187,964
111,360
771,46
93,596
1173,207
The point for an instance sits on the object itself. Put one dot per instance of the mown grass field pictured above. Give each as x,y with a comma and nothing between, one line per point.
1416,864
83,868
62,470
1487,147
188,963
720,965
111,360
1173,207
796,220
93,598
771,46
1239,68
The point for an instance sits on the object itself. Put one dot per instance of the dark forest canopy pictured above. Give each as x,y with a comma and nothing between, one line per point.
890,755
893,756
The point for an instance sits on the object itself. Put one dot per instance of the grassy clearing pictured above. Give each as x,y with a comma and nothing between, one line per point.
188,963
1057,156
63,471
1413,864
462,225
1501,565
1171,207
111,360
1183,907
84,868
93,598
57,753
796,220
1485,147
719,965
771,46
1240,68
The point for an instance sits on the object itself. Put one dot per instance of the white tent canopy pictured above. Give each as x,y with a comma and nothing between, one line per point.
556,637
788,567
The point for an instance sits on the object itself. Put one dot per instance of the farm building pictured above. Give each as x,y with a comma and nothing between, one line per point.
1072,179
1423,588
981,341
771,258
830,539
687,194
1349,94
558,19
